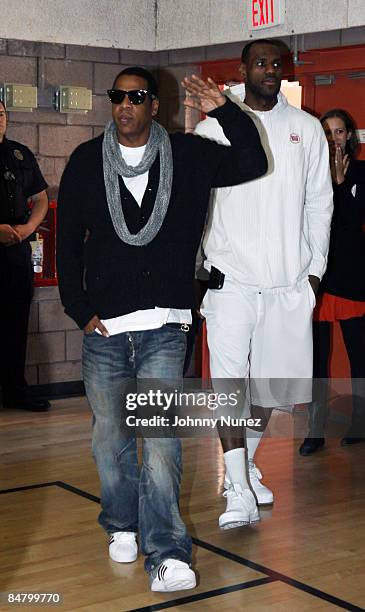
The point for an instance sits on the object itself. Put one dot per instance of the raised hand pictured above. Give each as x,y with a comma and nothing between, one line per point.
204,96
340,165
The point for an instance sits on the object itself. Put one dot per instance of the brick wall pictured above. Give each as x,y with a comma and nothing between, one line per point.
51,135
54,341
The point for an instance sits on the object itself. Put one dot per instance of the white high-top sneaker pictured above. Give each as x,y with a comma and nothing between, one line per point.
264,495
241,508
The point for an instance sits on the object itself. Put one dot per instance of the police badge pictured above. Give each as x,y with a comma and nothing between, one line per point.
18,154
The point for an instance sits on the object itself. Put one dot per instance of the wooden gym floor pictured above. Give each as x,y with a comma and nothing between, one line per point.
307,553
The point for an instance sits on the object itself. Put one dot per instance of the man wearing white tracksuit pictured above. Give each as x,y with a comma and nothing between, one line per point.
269,237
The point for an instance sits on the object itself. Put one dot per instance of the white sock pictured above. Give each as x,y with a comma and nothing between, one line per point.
253,439
235,462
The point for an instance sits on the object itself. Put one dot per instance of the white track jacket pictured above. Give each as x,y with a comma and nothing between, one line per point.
272,232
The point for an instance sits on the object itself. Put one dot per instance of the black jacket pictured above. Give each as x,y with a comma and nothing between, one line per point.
345,274
121,278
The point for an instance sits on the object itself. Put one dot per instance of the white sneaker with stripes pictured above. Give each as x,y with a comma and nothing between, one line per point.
173,575
123,546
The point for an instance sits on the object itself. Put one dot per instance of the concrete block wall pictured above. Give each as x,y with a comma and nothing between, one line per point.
54,341
51,135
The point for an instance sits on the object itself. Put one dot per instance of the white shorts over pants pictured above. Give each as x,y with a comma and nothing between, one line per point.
264,335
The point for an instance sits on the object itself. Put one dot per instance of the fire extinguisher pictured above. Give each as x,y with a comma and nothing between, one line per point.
37,255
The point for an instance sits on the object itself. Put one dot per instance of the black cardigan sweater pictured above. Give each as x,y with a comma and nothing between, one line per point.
103,275
345,274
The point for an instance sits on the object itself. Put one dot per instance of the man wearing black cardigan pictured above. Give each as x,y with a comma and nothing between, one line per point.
132,205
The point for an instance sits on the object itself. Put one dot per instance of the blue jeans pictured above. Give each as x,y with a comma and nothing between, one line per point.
133,498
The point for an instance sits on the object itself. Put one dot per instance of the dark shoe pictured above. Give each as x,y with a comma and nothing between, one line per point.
351,439
28,403
310,446
317,417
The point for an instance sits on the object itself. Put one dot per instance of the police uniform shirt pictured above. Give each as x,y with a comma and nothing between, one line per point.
20,178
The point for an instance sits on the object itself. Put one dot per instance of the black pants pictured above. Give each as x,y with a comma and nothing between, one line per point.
16,291
353,332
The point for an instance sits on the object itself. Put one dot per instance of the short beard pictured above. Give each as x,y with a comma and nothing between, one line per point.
258,93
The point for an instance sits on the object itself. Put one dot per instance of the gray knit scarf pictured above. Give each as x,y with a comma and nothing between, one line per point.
114,164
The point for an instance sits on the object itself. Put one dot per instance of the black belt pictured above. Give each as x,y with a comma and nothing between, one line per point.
185,327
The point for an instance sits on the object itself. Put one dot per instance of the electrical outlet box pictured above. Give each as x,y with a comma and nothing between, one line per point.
74,99
20,97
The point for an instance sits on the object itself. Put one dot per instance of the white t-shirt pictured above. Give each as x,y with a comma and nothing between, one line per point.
152,318
135,184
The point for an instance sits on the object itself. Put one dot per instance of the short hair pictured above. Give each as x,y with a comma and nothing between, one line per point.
142,73
352,143
260,41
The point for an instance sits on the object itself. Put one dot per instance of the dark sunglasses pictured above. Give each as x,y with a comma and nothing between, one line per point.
135,96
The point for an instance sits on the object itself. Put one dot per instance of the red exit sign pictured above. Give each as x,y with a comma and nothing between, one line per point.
265,13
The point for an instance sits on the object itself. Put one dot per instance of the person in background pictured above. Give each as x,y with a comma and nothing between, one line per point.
342,290
20,179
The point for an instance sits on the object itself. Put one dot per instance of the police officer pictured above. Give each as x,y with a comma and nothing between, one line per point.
20,178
